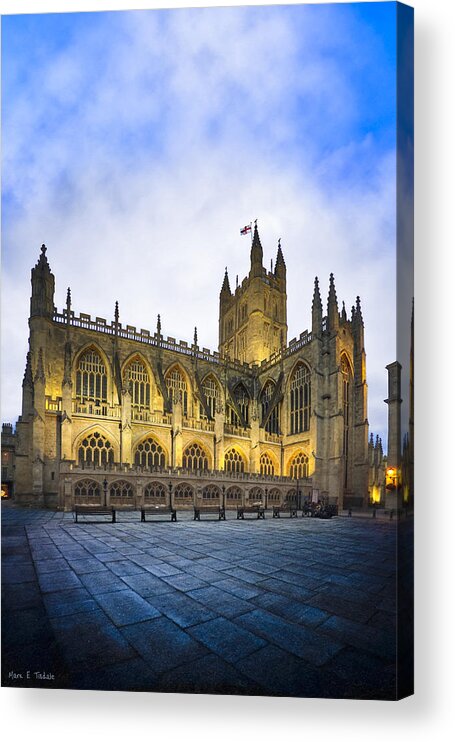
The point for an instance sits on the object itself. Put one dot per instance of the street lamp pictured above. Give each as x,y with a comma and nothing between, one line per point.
266,499
170,494
223,489
105,491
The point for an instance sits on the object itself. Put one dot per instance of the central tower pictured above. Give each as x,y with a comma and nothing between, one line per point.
253,320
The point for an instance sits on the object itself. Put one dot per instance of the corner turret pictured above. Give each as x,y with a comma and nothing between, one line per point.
43,288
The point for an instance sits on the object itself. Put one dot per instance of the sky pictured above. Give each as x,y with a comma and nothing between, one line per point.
136,145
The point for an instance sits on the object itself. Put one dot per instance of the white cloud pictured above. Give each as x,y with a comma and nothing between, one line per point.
217,114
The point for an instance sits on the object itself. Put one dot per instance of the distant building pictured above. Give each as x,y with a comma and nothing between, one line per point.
8,459
109,411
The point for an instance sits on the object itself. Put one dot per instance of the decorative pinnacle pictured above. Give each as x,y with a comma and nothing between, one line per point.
39,375
43,249
28,378
158,326
226,287
195,336
116,314
371,439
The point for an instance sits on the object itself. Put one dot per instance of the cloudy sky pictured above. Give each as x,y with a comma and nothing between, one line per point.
136,144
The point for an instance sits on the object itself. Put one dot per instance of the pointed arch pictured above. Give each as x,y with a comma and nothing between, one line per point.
299,465
104,431
235,460
137,378
213,393
268,464
268,389
196,456
91,375
94,449
242,400
178,385
150,453
299,398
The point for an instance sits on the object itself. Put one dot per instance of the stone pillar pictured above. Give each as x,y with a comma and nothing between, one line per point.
394,434
177,421
126,432
219,440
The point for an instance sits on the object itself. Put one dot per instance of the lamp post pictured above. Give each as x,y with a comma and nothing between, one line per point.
297,495
223,489
170,494
105,491
266,498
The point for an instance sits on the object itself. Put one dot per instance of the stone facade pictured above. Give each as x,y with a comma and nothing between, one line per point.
107,403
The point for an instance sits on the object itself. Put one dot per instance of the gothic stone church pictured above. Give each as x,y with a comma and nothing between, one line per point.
123,415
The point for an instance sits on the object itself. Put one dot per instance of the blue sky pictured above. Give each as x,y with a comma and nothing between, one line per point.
136,144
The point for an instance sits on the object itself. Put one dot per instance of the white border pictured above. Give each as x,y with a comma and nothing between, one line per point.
49,715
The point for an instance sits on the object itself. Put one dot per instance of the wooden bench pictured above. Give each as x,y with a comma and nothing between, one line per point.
158,510
210,509
94,510
258,510
291,509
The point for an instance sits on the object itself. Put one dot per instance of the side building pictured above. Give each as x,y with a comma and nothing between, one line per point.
125,415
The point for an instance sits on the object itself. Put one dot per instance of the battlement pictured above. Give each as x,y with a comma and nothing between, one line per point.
129,332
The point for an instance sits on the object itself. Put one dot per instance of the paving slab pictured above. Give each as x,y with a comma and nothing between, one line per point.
275,607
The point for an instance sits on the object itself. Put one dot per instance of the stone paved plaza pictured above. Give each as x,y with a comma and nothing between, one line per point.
287,607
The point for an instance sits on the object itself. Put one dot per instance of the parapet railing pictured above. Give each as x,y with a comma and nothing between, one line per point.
129,332
180,472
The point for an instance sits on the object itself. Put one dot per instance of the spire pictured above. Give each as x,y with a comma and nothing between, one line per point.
68,306
116,317
371,439
225,288
358,310
280,265
343,313
316,310
28,378
39,374
332,306
43,286
256,253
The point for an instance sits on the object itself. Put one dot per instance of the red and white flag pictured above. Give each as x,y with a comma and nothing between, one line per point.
246,229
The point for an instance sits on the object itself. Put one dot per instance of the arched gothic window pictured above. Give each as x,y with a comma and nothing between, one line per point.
256,494
136,380
212,394
242,398
150,454
184,492
121,490
177,388
194,457
274,496
272,425
211,492
266,465
91,378
95,449
300,399
87,488
346,377
156,492
234,494
298,468
233,461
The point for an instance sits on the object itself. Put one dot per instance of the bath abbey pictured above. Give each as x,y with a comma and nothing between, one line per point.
116,414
